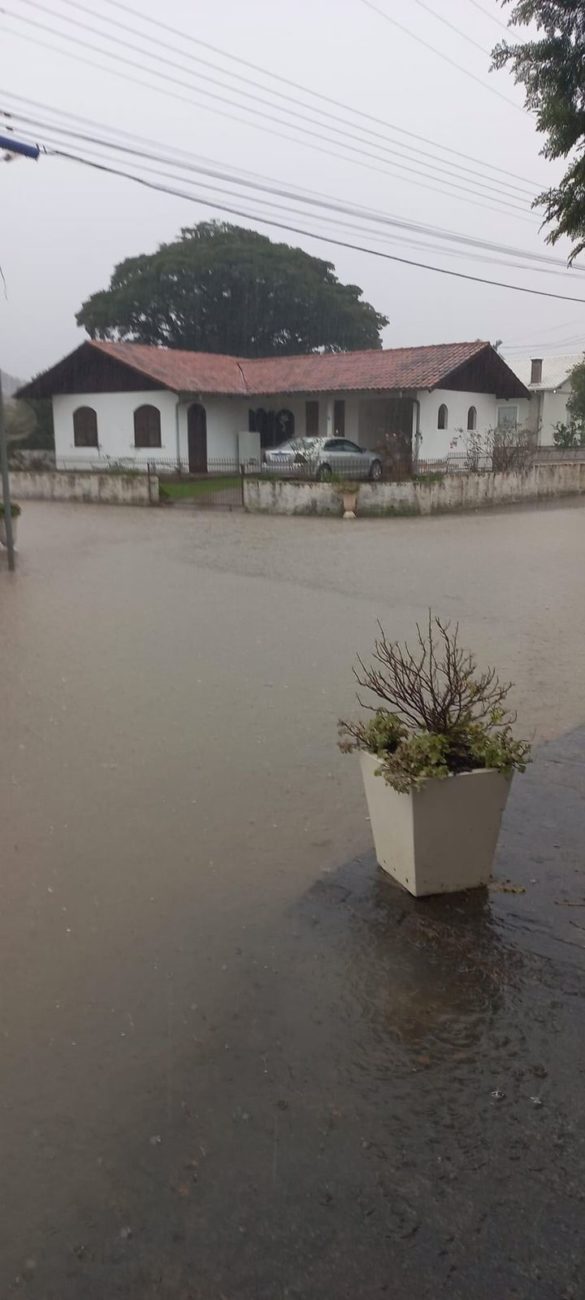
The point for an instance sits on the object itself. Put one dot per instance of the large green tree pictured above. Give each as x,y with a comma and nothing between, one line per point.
552,70
221,288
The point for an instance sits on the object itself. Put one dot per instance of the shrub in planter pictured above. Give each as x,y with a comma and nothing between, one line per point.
15,511
438,755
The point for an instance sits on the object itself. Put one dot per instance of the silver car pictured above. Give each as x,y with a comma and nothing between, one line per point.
323,458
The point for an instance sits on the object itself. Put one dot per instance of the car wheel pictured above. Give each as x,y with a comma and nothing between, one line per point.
376,470
324,473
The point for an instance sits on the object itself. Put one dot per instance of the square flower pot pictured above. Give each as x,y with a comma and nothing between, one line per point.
442,837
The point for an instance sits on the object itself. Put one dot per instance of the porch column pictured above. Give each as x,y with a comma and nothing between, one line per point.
329,416
178,434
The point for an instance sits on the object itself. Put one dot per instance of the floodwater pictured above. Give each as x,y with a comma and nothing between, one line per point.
237,1063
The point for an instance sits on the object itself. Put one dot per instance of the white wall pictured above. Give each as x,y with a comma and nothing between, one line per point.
438,442
115,417
226,417
553,411
83,485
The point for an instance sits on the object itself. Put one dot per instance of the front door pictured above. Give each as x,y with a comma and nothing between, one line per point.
197,435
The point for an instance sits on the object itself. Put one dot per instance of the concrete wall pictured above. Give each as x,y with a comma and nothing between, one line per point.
436,442
278,497
452,492
545,455
108,489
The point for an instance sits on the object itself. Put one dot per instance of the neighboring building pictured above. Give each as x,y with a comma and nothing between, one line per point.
128,401
549,383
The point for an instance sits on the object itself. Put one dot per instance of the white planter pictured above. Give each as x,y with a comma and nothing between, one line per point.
349,504
440,838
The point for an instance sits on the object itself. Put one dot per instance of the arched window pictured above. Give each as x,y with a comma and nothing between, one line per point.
443,417
85,430
147,426
472,418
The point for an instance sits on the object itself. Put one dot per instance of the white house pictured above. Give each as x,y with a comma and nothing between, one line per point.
548,380
130,402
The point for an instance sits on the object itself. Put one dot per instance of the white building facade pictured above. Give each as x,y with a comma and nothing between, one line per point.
548,380
128,404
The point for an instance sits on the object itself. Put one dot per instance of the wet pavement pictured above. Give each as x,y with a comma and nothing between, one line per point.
237,1062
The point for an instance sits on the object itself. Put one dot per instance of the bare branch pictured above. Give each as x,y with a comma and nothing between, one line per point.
436,687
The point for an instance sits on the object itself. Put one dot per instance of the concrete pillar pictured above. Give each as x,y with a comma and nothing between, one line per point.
329,429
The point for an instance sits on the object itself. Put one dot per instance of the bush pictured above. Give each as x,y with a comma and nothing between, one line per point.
499,450
15,510
569,435
445,716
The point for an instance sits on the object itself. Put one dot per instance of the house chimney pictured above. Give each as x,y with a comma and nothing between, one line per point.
536,370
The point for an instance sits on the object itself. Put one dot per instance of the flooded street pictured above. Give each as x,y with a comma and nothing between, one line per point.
237,1062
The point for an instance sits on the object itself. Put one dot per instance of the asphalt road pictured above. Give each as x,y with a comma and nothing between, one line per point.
237,1063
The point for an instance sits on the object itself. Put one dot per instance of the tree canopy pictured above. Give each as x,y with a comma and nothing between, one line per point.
222,288
552,71
576,402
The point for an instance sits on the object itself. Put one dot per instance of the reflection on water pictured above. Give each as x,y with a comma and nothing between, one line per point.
424,981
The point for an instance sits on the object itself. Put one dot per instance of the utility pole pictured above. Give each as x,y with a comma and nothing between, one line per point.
6,485
10,148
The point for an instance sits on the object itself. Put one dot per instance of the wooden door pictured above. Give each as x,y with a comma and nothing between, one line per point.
197,436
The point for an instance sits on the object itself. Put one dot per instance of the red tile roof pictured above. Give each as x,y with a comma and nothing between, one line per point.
193,372
207,372
390,369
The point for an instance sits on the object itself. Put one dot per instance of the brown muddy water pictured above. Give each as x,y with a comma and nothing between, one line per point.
237,1063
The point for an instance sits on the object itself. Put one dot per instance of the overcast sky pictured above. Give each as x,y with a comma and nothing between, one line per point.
64,227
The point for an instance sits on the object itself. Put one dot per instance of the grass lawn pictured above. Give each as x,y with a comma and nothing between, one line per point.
199,487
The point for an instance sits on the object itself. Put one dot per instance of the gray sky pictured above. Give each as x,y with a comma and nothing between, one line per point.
63,227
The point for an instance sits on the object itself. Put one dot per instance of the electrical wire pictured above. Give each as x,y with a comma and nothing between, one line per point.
311,234
487,13
377,135
517,213
336,223
267,185
452,26
346,136
466,71
306,90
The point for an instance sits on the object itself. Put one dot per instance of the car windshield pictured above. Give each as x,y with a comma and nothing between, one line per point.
299,444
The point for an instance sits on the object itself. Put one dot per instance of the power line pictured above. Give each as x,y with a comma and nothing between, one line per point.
311,234
486,184
549,349
188,38
287,81
394,21
359,152
217,171
76,5
487,13
379,236
452,26
277,209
